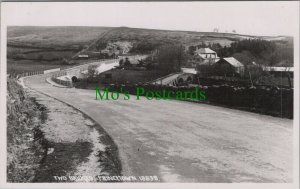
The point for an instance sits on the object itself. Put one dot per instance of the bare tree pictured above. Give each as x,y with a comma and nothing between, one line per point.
216,30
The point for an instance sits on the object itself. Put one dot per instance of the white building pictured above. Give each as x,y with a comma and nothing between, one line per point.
204,56
206,53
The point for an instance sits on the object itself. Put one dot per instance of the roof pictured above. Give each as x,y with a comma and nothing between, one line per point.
205,51
189,70
210,61
234,62
279,69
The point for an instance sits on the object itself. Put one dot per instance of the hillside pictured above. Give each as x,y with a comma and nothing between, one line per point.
53,37
35,47
149,39
74,36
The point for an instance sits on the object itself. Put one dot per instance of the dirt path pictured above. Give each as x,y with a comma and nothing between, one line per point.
75,145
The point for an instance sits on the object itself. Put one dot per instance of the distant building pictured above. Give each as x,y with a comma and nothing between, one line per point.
279,71
83,56
189,70
117,48
229,66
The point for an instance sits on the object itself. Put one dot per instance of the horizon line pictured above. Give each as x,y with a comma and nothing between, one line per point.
158,29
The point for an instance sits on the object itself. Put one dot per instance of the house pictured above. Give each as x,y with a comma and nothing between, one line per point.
206,53
204,56
229,67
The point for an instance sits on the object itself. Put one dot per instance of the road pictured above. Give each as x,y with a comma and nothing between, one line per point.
167,80
187,142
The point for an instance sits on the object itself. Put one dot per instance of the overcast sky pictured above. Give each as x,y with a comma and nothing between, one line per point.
256,18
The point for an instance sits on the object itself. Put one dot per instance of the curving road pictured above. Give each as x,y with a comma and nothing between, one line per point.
187,142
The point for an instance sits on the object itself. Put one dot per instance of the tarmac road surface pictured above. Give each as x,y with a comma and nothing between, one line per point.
187,142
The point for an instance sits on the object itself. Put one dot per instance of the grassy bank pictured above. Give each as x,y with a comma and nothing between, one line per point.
24,151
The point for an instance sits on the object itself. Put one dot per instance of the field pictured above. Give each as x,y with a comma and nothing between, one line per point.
39,48
53,37
21,66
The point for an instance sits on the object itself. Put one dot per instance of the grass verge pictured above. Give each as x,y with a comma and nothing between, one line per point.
23,117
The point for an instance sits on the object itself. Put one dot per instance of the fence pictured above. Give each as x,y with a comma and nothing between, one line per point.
54,77
25,74
29,74
60,73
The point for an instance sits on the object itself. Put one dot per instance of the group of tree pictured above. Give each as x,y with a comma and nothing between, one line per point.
125,63
145,46
168,59
263,52
101,45
171,57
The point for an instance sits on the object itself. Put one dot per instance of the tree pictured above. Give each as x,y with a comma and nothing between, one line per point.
91,72
121,62
171,58
127,62
253,72
261,51
191,50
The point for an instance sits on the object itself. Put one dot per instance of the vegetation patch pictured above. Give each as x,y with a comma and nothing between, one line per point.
109,158
24,152
62,161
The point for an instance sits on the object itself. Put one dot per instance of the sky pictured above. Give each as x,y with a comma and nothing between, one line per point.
254,18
